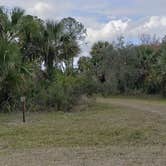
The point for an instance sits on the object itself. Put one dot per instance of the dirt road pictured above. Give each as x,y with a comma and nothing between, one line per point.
136,104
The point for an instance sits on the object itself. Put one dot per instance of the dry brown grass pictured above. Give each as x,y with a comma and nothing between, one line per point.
113,131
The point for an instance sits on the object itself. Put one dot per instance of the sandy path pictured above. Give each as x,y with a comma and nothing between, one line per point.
136,104
108,156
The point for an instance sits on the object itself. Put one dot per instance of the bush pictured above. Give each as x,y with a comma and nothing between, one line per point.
61,93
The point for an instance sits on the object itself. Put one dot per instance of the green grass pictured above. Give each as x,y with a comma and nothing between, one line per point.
100,125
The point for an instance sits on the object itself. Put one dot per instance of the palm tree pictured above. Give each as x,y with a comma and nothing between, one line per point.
59,43
9,22
12,70
68,50
16,15
50,43
30,34
98,48
98,53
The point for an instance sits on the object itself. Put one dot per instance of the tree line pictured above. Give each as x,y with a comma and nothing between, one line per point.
37,61
126,68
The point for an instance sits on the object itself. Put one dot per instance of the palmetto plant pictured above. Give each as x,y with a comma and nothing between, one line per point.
12,71
9,20
68,50
98,58
50,43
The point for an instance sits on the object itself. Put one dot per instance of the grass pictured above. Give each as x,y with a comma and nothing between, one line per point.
103,124
112,131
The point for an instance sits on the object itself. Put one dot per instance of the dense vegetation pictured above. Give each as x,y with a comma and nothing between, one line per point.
37,57
121,68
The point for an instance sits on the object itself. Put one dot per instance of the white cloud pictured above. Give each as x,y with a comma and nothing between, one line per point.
153,25
129,28
40,9
109,31
155,21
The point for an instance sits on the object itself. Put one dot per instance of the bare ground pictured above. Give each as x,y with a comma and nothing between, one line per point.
106,156
135,104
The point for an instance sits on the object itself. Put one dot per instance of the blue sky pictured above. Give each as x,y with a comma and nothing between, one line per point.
104,19
113,7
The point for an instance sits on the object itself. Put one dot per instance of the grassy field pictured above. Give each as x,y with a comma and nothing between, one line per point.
111,131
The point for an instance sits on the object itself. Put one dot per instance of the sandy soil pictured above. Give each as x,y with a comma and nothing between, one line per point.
108,156
142,105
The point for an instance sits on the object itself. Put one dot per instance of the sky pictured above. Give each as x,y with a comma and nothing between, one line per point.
104,19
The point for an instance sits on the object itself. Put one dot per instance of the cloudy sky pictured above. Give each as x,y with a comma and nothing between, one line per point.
104,19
